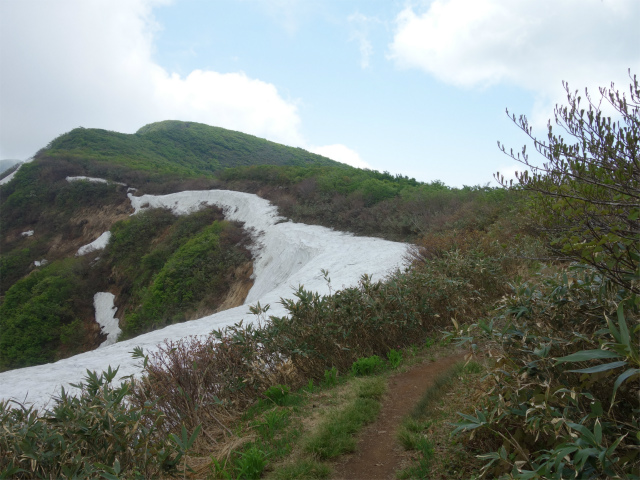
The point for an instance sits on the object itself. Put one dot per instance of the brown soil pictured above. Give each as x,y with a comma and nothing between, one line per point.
378,453
238,291
89,223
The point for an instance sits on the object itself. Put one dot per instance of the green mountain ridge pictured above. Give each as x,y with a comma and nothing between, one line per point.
172,147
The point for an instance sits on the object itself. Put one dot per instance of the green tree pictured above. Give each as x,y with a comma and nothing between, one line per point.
586,195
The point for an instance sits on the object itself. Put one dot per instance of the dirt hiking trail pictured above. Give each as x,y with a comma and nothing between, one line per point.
378,453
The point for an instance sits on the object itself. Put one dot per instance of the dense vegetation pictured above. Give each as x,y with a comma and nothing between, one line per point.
168,267
183,149
368,202
165,268
40,315
564,397
40,199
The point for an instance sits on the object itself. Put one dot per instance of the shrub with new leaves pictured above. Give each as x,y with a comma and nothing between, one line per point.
587,195
562,398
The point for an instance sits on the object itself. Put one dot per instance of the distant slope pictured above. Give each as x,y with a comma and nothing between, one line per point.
46,292
7,164
187,149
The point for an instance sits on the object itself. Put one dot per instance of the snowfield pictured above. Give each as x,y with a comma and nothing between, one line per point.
103,303
286,255
98,244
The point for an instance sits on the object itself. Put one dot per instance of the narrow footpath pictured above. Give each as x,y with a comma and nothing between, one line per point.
378,453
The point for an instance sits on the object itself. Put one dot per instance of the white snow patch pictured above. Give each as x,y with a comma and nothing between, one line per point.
28,233
40,263
9,177
105,316
92,179
286,255
98,244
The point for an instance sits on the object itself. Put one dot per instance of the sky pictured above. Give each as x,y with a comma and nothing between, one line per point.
417,88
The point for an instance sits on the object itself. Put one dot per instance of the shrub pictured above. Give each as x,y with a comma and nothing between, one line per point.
97,433
563,401
251,463
210,380
586,196
367,366
394,357
39,315
277,394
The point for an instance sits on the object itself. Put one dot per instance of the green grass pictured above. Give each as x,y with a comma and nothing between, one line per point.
435,391
413,435
302,469
334,436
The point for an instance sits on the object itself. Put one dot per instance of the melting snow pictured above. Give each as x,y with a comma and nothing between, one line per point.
98,244
28,233
105,316
286,255
9,177
92,179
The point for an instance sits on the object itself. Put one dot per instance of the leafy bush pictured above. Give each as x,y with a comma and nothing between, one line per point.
586,196
370,319
170,266
394,357
563,401
37,312
277,394
251,464
367,366
210,380
97,433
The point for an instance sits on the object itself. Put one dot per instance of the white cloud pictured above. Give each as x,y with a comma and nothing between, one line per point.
75,63
289,14
360,26
341,153
533,44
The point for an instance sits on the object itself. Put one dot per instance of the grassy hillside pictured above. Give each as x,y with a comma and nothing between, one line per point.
185,149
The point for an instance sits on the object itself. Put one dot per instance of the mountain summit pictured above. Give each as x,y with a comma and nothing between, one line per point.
184,148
